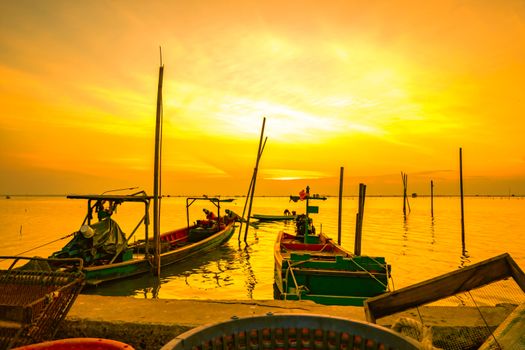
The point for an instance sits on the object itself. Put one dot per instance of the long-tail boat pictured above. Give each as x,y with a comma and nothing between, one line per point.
311,266
109,254
264,217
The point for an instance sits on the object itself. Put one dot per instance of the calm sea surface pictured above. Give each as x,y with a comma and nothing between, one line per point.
418,247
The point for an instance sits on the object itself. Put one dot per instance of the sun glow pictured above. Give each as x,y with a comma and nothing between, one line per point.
289,174
380,87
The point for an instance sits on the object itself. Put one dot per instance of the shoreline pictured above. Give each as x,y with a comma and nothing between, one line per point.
151,323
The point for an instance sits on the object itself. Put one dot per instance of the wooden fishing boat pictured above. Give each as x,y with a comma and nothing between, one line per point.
313,267
108,254
263,217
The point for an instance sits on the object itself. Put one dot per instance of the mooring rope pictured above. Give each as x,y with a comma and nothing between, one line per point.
484,320
297,287
371,275
43,245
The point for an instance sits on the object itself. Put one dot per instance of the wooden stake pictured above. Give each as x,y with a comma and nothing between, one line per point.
340,205
359,219
461,195
432,198
404,179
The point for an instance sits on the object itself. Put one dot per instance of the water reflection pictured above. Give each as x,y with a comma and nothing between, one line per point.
244,261
210,270
405,235
234,272
432,233
464,259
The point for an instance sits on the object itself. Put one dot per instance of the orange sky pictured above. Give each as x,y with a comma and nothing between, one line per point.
377,87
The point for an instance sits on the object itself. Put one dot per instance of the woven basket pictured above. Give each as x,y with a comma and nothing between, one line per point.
34,302
291,332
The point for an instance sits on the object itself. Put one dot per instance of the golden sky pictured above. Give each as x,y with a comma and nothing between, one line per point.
376,87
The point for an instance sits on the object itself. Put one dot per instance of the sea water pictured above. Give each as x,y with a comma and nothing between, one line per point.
418,245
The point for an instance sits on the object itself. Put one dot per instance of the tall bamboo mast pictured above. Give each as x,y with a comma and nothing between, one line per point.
254,178
156,174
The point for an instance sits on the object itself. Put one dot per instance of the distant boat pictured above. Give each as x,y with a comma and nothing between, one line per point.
313,196
108,255
414,195
7,197
262,217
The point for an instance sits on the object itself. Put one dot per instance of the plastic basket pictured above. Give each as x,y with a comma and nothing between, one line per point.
78,344
34,301
291,332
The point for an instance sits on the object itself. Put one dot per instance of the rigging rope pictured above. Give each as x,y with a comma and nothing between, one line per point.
43,245
484,320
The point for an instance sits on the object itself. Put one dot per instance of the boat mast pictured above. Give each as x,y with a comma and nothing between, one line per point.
156,174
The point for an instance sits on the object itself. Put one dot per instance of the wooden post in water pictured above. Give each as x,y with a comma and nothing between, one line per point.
156,175
406,204
432,198
259,153
359,219
340,205
461,195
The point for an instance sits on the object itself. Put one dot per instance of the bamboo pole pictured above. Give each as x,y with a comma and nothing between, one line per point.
340,205
249,194
404,194
156,176
461,195
306,226
254,180
432,198
244,208
406,204
359,219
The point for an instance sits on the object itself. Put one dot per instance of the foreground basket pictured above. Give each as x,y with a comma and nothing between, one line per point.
33,302
291,331
78,344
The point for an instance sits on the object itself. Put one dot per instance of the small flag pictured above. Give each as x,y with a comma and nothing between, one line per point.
302,195
312,209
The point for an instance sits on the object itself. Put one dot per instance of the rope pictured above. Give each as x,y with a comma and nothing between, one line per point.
371,275
485,321
297,287
43,245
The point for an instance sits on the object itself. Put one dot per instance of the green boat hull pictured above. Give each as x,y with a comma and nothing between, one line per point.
262,217
337,278
96,275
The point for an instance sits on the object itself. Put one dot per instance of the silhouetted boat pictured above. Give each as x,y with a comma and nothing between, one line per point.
107,253
262,217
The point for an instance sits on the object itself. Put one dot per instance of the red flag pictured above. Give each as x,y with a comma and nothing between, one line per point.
302,195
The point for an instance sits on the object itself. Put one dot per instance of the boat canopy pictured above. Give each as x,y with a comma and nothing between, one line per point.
101,241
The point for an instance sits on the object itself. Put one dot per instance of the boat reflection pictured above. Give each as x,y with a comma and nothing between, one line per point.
187,279
245,265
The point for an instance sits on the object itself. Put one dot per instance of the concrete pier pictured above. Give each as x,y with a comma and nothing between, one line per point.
151,323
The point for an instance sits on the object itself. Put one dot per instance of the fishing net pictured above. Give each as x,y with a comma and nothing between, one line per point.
491,316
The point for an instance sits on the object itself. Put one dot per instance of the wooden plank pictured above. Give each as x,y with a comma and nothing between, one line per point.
517,273
467,278
334,272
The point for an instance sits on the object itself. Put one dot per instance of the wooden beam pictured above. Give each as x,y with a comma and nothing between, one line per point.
462,280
